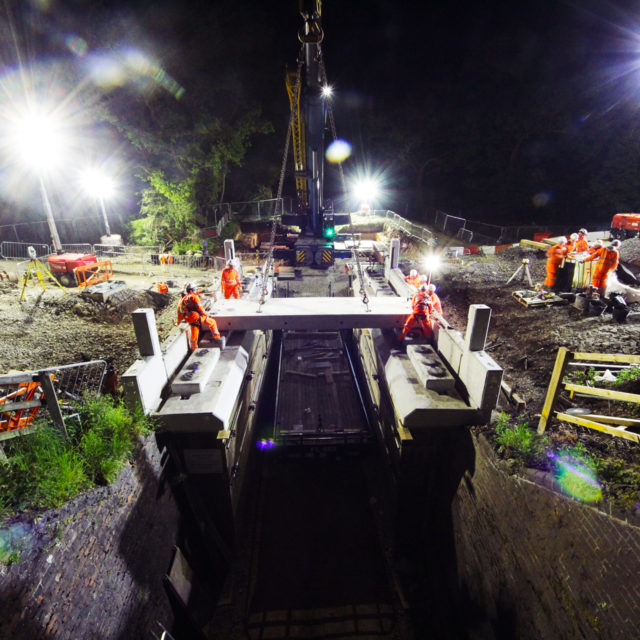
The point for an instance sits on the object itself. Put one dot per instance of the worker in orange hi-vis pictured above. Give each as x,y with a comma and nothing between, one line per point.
436,305
582,244
571,245
421,306
413,278
555,255
607,259
230,283
191,311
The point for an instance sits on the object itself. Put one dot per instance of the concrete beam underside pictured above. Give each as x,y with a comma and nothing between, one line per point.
328,314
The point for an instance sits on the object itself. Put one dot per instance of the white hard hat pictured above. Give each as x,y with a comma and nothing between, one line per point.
229,263
423,287
615,244
413,273
423,278
574,236
583,232
431,288
562,240
190,286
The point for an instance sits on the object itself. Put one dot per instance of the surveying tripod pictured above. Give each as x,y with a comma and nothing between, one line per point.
38,268
524,267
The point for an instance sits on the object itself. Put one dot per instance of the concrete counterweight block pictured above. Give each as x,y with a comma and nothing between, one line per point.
477,327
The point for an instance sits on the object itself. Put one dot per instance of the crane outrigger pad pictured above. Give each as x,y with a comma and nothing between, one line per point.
299,314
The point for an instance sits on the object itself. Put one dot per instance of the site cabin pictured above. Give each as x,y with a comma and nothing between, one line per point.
625,225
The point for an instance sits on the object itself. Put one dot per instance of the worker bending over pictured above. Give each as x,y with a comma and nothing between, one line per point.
436,305
571,245
413,278
421,306
191,311
230,281
607,259
555,255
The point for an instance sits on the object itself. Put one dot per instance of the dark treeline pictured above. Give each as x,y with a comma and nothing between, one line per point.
496,112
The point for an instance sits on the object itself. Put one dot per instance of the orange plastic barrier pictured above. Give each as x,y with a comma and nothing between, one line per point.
94,273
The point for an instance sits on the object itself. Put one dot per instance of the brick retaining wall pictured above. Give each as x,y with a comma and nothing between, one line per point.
534,564
99,574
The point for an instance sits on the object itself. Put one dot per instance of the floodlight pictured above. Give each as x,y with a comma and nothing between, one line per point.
97,183
38,141
366,190
327,91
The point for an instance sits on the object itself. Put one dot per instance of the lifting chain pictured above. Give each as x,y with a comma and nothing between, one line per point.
266,269
332,123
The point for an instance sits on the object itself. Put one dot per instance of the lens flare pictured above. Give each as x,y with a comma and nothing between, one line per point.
576,477
265,443
338,151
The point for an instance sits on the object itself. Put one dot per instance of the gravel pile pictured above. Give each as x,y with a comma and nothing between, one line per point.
630,251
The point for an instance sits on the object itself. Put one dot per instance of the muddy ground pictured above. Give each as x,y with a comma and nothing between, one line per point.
55,327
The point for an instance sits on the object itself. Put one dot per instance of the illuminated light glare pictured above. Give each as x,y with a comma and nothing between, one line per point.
366,190
576,478
327,91
38,141
338,151
76,45
265,444
97,183
432,263
541,199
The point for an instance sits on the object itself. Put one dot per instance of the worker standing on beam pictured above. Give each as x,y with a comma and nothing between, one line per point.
555,255
436,305
421,305
230,281
191,311
607,260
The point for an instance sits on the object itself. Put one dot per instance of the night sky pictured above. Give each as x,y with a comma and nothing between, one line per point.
497,110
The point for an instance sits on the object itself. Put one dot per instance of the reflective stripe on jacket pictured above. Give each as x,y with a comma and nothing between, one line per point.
230,277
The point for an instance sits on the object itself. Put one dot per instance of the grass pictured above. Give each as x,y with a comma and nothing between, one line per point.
520,441
45,469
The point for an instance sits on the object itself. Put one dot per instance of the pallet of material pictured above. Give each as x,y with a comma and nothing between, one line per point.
534,299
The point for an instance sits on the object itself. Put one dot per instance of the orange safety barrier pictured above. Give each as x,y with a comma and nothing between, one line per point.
12,419
93,273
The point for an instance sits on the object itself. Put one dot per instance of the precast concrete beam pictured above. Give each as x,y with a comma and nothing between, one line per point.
318,314
399,284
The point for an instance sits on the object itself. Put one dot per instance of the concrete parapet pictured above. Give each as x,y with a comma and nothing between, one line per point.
144,325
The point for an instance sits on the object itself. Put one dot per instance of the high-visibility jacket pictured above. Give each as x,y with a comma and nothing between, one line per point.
421,303
415,281
229,278
557,253
189,305
581,245
571,246
435,302
606,261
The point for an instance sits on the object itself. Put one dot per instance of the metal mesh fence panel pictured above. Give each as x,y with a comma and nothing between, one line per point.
77,248
19,250
440,220
452,224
